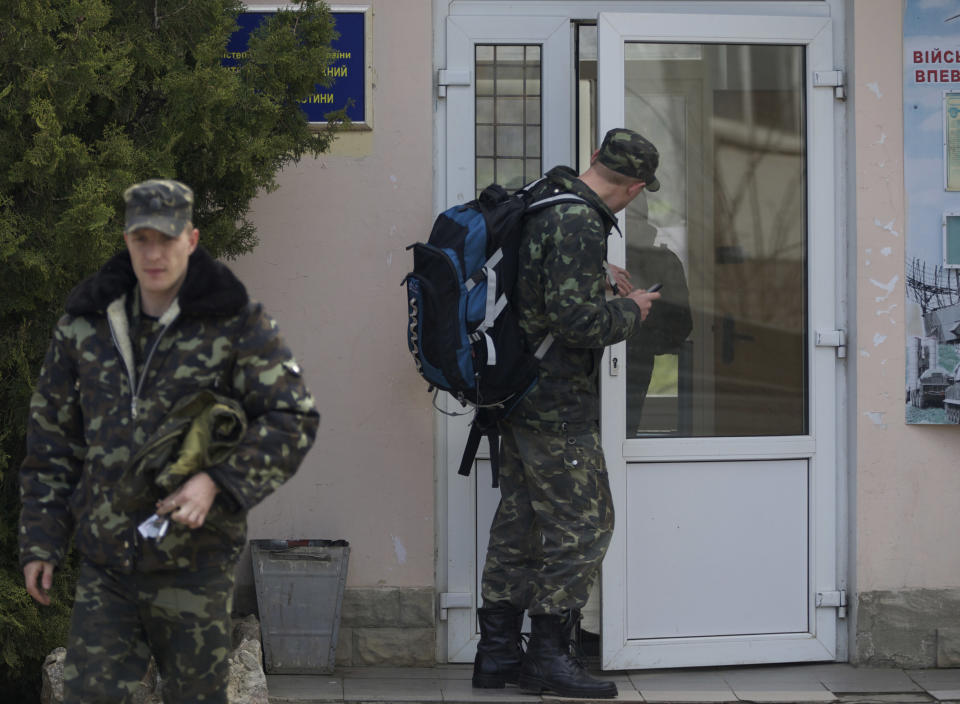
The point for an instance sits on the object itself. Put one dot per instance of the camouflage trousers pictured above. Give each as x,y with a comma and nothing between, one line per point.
554,522
119,620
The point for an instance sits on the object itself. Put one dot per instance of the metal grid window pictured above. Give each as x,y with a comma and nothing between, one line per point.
508,122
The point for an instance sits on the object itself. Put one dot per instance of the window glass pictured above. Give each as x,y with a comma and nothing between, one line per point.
507,131
725,235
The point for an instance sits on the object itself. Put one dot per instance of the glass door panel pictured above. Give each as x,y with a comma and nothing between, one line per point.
724,352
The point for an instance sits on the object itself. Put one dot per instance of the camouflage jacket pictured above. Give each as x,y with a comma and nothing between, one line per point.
561,289
91,412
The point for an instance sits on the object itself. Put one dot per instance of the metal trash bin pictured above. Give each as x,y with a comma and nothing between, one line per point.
299,595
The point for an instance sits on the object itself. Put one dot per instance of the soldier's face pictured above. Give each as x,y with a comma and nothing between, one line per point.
160,262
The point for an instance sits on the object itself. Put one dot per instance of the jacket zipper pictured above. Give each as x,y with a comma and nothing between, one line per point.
136,386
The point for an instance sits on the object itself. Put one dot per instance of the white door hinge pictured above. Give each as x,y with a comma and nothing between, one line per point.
453,600
833,338
452,77
833,600
831,79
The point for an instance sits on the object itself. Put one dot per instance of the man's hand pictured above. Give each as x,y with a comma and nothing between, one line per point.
621,277
190,503
38,576
644,300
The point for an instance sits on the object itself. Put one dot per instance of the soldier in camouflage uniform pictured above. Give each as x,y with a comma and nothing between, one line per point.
159,322
555,517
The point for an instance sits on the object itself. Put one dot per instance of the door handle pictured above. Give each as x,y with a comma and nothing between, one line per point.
729,338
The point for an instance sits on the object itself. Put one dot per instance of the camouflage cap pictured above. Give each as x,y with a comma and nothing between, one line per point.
627,153
160,204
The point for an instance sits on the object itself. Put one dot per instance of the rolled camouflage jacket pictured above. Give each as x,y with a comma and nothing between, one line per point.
561,289
201,430
91,412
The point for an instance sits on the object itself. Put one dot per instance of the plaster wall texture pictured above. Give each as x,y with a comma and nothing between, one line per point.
907,483
328,267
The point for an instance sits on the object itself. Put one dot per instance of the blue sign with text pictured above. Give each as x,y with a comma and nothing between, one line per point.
348,89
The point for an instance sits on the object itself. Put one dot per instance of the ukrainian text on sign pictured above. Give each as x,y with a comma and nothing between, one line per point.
348,70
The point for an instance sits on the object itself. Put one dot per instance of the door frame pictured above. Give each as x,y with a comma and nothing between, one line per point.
453,493
459,593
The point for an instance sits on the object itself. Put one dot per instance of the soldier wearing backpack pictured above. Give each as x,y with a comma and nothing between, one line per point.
555,518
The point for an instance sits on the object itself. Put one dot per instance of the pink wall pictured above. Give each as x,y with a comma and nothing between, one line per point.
907,477
328,267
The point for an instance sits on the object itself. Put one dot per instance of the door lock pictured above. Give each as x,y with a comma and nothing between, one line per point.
614,365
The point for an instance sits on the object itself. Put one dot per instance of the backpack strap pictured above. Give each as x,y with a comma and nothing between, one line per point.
565,197
543,204
470,451
493,437
477,431
494,305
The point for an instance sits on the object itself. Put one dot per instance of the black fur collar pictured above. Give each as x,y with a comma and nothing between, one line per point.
209,289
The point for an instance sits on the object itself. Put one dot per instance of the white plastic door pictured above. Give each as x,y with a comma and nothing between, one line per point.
725,495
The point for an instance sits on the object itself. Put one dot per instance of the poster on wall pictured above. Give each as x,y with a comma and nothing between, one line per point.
931,94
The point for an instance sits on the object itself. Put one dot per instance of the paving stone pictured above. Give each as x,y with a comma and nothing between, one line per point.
943,684
901,698
461,691
773,684
682,686
392,690
436,672
785,695
772,681
623,696
687,696
865,680
304,689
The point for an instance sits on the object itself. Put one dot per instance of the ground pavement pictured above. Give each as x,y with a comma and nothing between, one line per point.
779,684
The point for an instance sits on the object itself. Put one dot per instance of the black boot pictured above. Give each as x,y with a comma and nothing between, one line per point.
498,652
549,664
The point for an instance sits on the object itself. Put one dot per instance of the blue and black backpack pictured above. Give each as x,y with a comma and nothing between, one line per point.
462,329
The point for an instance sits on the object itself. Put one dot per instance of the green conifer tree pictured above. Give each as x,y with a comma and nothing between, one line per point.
96,95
